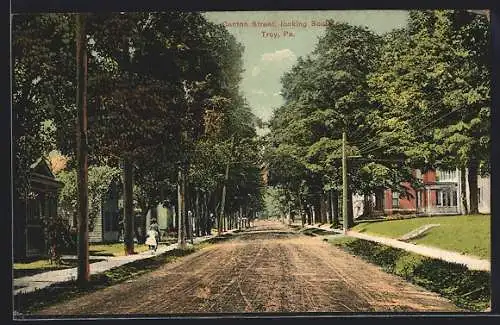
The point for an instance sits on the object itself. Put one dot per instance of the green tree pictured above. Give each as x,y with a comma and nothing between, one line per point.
432,89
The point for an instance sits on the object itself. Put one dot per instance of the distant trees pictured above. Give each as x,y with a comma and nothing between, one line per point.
163,97
412,98
326,94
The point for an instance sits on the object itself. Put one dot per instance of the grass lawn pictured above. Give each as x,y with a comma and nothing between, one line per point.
32,267
468,235
115,249
39,266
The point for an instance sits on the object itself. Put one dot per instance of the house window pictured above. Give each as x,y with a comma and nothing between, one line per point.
395,200
478,195
35,210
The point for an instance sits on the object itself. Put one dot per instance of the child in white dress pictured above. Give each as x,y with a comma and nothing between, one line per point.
151,240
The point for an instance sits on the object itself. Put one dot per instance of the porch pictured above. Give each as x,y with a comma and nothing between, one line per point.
438,198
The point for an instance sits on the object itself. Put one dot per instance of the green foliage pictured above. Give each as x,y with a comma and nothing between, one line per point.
58,236
433,77
416,97
41,63
99,182
326,94
467,289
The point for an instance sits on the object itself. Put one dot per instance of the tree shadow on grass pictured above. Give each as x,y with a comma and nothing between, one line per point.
466,288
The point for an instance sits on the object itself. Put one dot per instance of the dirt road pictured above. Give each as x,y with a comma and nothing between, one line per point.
267,269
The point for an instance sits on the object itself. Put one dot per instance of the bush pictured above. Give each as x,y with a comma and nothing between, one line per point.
59,237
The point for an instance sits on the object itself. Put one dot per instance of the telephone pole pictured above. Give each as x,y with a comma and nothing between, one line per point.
344,183
81,144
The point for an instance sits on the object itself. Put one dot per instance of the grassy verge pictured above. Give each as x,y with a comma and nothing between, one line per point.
468,235
465,288
114,249
32,267
33,301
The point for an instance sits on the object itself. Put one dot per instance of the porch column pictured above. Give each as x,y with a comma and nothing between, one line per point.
429,202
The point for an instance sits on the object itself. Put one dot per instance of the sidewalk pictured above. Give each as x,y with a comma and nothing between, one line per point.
470,262
42,280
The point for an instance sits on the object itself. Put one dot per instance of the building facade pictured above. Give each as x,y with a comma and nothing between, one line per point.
441,194
40,203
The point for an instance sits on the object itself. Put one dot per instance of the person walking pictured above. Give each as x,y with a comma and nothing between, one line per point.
152,240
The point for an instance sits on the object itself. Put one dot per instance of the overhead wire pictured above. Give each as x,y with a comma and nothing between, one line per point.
426,126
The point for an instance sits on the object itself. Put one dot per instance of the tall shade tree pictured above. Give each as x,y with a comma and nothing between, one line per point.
432,87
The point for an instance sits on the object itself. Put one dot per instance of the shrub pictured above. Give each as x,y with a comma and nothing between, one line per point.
58,236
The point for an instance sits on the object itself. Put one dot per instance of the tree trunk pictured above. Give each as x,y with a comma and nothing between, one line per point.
202,215
128,207
334,208
463,190
197,213
323,209
181,240
367,206
206,215
350,214
223,201
81,143
473,194
329,203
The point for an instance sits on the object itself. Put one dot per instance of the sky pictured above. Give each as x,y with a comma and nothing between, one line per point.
271,48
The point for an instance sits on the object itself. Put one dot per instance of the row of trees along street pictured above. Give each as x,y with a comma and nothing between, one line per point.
157,98
416,97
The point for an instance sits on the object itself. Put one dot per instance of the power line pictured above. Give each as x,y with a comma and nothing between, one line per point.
409,121
422,129
414,118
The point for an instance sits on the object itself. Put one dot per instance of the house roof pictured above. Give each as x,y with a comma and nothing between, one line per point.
41,166
40,172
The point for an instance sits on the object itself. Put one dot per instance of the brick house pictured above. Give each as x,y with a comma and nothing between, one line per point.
440,194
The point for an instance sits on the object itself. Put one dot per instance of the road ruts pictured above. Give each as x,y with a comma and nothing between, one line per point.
266,269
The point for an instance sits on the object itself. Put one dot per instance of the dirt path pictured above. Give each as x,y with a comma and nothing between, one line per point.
268,269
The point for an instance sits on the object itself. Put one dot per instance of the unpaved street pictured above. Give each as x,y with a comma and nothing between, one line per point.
266,269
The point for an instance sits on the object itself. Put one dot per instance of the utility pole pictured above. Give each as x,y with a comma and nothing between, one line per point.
82,153
344,183
128,205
